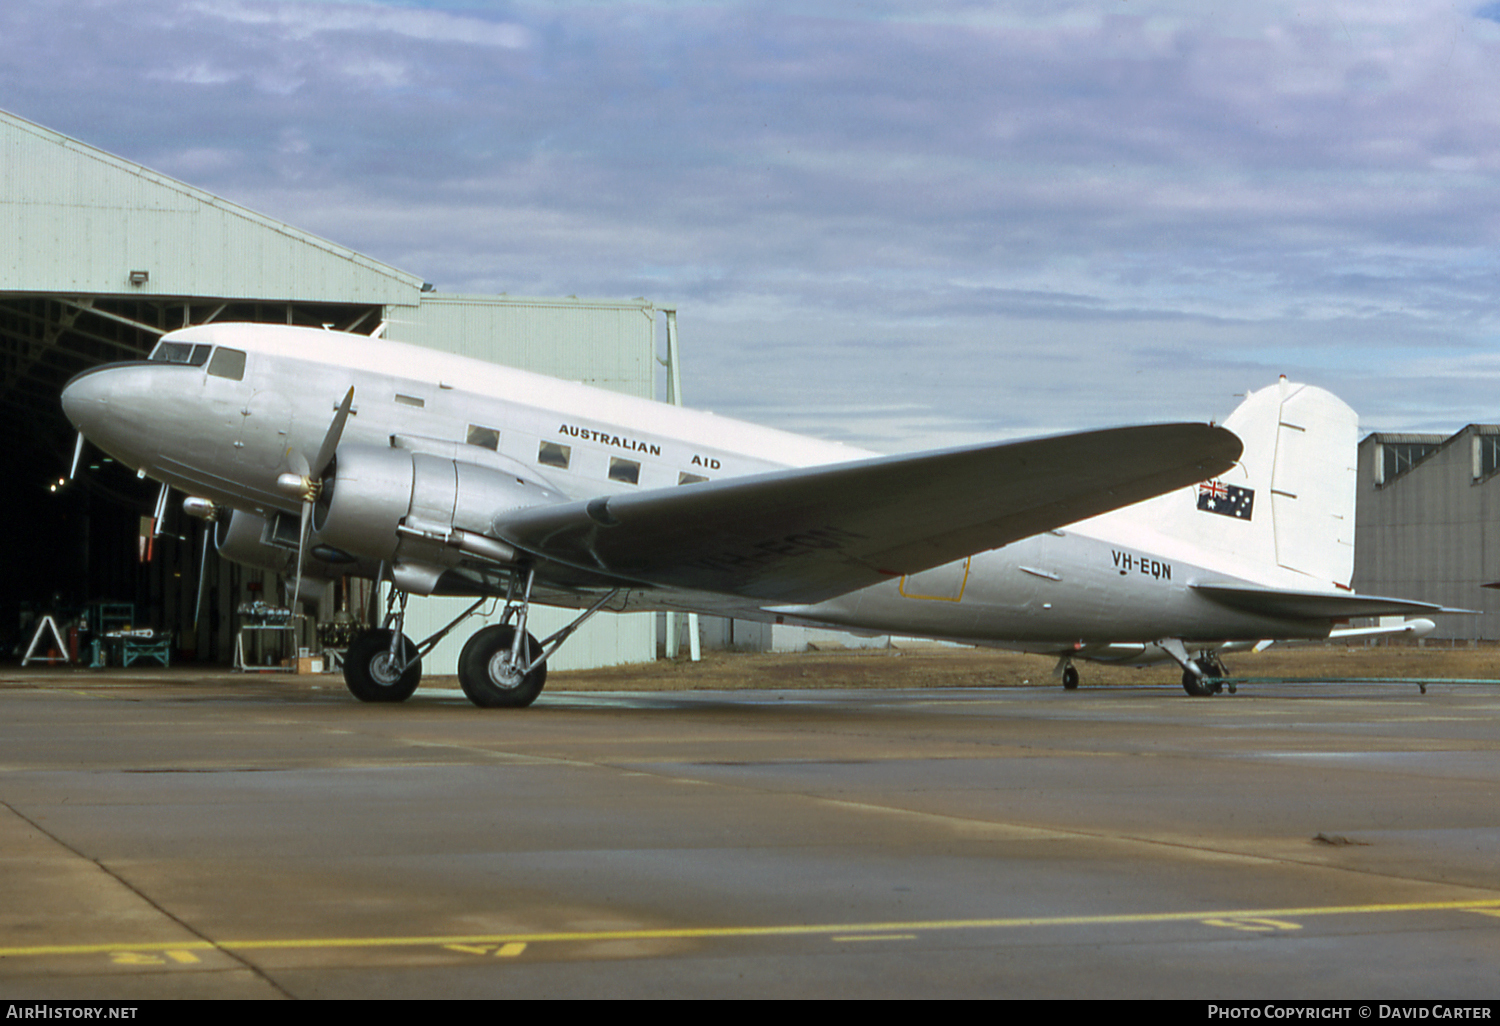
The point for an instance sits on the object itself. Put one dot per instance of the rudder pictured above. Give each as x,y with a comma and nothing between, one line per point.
1287,506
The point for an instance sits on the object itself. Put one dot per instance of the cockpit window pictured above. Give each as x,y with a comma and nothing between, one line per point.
228,363
181,352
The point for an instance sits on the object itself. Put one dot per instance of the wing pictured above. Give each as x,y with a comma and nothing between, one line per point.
1287,604
808,534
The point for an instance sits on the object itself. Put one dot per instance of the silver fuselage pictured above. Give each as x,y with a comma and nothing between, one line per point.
210,433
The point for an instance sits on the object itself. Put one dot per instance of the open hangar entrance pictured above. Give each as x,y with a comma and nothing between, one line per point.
105,257
73,542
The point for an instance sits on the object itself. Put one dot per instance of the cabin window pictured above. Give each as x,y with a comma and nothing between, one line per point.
181,352
551,454
411,400
485,438
685,478
624,471
228,363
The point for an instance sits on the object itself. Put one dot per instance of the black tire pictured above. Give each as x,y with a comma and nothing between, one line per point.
367,671
482,670
1070,678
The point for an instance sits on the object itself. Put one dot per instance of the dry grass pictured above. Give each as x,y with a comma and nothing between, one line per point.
926,666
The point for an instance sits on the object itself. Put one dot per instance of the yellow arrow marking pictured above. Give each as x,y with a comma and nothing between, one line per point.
1253,925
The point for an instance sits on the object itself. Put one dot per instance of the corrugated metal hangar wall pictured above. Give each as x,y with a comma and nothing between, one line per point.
1427,524
104,257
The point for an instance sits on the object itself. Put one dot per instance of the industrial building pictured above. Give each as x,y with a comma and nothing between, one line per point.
105,256
1427,524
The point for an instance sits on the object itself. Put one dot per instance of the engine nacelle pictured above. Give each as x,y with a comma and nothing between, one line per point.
374,498
253,540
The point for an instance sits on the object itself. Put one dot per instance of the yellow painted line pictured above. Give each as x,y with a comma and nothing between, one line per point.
874,937
492,941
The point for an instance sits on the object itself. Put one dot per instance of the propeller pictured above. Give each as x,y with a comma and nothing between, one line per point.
203,571
306,482
77,455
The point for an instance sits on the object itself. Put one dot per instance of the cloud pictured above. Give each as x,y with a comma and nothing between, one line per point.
998,216
290,21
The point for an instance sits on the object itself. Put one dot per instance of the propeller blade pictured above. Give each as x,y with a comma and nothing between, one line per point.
202,573
297,464
301,553
335,432
77,455
160,515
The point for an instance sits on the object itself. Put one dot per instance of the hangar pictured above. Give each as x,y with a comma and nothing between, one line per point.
1427,524
104,257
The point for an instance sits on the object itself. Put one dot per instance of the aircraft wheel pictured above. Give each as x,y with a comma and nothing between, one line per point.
1197,686
1070,678
487,675
368,672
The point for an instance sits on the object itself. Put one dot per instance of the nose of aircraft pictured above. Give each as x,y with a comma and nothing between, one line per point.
113,406
83,399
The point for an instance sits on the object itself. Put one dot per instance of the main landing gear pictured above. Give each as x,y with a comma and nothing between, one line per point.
501,666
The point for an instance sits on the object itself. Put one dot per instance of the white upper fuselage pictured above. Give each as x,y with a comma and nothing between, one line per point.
187,426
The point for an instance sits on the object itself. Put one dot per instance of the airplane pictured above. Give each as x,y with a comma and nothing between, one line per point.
321,454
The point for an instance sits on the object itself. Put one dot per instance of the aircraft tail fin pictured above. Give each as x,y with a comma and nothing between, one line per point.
1288,505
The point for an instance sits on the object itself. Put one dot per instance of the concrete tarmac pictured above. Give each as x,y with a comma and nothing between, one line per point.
189,835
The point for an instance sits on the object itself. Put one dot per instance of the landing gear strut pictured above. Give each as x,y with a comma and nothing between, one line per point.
504,667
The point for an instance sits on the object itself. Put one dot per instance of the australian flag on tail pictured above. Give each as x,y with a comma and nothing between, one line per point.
1226,500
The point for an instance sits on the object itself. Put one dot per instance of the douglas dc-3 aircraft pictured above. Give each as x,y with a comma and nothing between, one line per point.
325,454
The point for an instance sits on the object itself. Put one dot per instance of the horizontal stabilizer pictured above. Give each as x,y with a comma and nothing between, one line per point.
1286,604
808,534
1418,628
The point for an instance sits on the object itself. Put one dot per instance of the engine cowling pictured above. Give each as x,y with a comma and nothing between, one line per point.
253,540
373,499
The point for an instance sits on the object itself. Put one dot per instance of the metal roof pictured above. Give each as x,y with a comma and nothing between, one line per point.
83,221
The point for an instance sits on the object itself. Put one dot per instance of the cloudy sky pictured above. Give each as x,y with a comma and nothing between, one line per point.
898,224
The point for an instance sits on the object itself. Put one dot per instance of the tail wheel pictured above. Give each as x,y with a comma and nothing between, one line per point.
488,676
1200,687
370,674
